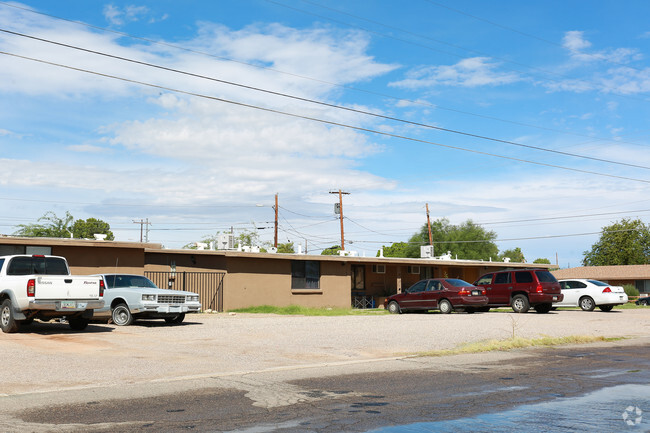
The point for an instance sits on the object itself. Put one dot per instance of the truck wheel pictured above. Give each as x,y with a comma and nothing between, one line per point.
543,308
520,304
121,315
176,319
78,323
587,304
7,321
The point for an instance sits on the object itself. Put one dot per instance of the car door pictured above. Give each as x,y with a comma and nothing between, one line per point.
501,288
572,291
431,295
414,296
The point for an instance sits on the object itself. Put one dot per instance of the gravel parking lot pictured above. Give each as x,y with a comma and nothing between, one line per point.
49,356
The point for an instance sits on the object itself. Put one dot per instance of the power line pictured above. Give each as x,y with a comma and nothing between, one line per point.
257,66
327,122
313,101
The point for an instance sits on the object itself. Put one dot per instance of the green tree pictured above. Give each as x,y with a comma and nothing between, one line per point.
467,240
622,243
85,229
48,226
515,255
398,249
286,248
331,251
542,261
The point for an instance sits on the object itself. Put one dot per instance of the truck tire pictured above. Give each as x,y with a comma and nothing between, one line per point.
121,315
7,321
520,304
543,308
78,323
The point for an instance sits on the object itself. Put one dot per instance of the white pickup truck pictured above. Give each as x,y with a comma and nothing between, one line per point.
41,287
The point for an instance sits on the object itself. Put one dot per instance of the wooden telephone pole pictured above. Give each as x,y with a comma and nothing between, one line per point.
429,225
340,193
275,237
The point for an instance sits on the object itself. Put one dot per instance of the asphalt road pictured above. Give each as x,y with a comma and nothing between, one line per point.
268,373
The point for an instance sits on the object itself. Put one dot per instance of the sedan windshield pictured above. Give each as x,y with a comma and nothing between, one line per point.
117,281
457,283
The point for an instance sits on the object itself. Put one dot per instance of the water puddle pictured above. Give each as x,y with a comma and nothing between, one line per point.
617,408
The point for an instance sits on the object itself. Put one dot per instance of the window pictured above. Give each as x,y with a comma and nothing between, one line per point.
413,270
420,286
502,278
523,277
545,277
484,280
379,269
37,265
305,274
434,285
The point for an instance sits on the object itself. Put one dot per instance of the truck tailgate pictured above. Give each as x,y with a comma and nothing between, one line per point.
66,287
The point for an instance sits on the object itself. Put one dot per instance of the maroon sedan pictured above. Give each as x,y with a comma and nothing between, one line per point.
444,294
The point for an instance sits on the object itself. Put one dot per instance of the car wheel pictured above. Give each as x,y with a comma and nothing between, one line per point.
445,306
7,321
394,308
78,323
587,304
606,308
543,308
121,315
176,319
520,304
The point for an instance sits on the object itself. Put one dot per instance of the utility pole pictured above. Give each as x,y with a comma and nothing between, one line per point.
142,224
275,237
429,225
340,193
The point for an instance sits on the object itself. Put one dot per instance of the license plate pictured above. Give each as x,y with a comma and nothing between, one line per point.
476,292
555,298
68,305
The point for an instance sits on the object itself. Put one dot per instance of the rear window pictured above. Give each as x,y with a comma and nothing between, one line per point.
545,277
594,282
37,265
457,283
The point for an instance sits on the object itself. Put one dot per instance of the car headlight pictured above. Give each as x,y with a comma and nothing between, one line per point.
193,298
148,297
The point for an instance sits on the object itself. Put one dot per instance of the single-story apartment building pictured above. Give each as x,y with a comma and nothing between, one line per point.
637,275
227,280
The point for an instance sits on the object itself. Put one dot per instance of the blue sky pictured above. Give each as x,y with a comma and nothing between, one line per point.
529,118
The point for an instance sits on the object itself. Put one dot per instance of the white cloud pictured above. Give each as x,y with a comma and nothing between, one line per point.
120,16
471,72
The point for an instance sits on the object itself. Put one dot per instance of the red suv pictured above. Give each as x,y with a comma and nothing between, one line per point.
521,289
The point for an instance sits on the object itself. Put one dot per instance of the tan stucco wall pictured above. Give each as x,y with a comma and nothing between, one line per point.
253,282
97,260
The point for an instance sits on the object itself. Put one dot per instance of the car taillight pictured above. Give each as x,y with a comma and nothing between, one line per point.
31,288
101,287
484,292
607,290
540,289
464,292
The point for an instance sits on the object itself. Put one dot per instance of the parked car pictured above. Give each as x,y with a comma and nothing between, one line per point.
643,301
444,294
130,297
521,289
589,294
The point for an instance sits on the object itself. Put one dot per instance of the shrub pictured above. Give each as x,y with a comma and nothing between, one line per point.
631,290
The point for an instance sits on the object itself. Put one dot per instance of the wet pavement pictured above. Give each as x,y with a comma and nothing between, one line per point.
583,388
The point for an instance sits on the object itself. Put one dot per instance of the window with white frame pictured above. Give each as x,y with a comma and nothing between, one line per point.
379,269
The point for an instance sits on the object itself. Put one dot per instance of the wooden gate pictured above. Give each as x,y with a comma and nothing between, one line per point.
208,285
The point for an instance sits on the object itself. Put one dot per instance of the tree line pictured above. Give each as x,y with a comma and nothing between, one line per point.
625,242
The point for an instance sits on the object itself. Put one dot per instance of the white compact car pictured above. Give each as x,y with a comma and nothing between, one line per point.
130,297
589,294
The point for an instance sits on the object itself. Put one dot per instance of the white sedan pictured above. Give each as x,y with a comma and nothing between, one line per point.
589,294
130,297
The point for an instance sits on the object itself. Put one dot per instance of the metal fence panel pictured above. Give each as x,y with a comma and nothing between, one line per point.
208,285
